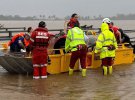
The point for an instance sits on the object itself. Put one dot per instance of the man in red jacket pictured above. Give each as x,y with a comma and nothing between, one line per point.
116,32
73,21
39,43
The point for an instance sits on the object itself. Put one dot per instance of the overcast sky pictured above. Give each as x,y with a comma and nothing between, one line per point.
61,8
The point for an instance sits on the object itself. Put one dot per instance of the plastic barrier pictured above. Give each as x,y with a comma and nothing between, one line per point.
124,55
57,61
93,60
66,63
60,62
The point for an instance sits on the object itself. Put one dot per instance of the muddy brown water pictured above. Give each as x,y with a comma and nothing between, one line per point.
119,86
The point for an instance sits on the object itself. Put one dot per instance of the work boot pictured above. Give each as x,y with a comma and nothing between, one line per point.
44,76
83,72
36,77
110,70
104,70
71,71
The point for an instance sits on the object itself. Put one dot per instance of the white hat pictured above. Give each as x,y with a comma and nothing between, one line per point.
106,20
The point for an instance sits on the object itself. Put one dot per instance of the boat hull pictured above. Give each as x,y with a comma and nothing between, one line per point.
12,64
18,63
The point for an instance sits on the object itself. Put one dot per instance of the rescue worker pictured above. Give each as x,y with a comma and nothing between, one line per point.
39,43
70,24
73,21
76,44
20,41
106,45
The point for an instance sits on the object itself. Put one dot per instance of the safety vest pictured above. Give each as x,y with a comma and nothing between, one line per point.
74,37
105,39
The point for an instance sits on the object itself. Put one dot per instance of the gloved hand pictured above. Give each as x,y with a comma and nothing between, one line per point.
111,47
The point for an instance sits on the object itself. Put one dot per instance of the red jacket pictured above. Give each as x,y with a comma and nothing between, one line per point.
115,29
72,22
40,38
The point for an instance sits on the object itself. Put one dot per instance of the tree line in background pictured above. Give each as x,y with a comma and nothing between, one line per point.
54,17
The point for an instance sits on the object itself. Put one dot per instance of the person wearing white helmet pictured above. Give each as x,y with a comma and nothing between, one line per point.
113,29
106,45
106,20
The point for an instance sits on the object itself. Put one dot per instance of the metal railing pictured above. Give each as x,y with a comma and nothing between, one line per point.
7,33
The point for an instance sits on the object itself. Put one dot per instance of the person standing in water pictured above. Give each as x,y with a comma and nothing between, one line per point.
106,45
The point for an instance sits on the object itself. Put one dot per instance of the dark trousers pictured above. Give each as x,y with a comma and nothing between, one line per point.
79,54
15,48
108,61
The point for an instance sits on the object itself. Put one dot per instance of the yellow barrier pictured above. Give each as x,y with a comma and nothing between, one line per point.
93,60
124,55
56,62
60,62
66,63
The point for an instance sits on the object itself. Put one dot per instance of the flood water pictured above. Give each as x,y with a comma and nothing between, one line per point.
118,86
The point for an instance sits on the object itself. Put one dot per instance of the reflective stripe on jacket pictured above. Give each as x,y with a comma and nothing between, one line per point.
75,37
40,38
105,39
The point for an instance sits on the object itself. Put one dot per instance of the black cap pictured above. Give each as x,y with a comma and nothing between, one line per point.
42,24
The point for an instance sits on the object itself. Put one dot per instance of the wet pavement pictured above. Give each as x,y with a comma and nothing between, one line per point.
119,86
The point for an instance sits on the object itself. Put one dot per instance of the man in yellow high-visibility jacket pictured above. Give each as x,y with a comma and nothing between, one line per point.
106,45
75,42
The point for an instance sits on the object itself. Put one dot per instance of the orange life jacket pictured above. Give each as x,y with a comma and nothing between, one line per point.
15,37
26,42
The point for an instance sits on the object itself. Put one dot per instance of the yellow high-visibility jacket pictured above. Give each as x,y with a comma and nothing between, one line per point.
74,37
105,38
